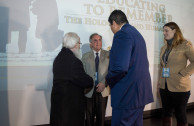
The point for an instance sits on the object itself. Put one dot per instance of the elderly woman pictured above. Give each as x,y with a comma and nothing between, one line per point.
174,76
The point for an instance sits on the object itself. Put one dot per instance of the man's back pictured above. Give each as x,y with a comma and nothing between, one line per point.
131,88
67,97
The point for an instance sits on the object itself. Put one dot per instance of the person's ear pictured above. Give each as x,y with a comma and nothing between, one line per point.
114,23
91,45
76,45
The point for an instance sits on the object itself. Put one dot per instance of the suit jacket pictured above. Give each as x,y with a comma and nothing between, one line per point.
128,72
67,97
89,66
177,62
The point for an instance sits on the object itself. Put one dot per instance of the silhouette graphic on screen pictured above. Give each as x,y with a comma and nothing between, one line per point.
47,24
18,19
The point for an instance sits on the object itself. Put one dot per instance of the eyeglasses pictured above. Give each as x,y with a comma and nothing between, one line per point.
80,44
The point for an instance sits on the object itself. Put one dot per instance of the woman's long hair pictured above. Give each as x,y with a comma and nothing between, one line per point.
178,36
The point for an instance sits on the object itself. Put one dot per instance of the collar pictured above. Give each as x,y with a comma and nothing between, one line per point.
122,25
169,42
96,52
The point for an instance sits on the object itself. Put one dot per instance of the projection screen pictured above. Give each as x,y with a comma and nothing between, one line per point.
31,33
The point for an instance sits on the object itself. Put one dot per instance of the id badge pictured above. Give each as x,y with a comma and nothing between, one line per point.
96,76
166,72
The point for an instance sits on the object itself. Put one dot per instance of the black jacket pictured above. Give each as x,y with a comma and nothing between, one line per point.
67,97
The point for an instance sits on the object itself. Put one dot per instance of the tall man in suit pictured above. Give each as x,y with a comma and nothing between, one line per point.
96,65
69,82
128,73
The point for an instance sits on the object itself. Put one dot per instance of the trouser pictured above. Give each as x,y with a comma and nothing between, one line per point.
176,101
127,117
96,106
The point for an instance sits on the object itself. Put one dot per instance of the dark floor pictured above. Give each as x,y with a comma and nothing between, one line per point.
156,121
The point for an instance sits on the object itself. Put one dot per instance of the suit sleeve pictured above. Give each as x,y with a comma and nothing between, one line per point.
80,78
106,55
120,55
189,70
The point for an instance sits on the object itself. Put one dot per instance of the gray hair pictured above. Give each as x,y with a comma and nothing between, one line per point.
70,39
92,35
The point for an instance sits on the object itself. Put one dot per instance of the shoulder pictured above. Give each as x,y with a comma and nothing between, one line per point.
186,44
86,55
121,35
126,27
123,31
189,46
105,52
76,61
127,32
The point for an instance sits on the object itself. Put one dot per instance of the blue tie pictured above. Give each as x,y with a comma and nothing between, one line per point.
96,64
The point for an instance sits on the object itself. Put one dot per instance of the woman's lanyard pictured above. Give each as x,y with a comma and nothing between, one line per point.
165,70
166,54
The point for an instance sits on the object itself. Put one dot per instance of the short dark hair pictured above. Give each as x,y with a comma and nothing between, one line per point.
91,36
118,16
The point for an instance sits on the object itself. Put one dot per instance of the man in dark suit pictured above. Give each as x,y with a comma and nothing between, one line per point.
69,82
128,73
96,65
